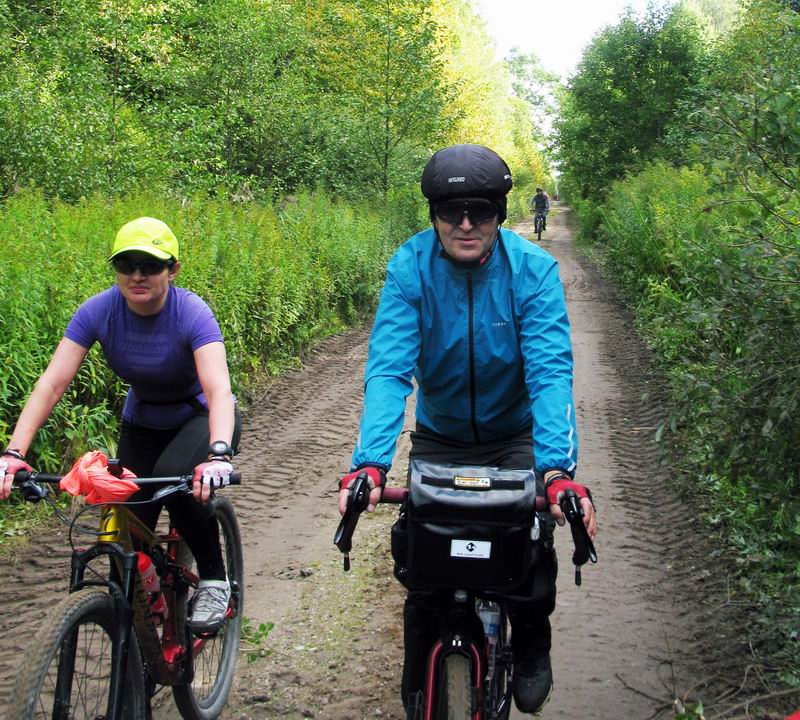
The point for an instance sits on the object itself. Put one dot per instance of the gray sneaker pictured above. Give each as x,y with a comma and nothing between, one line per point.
209,605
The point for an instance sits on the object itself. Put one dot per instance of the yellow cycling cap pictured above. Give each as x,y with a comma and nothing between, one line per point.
147,235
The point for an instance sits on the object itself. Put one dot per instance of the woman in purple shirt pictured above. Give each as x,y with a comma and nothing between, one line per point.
179,415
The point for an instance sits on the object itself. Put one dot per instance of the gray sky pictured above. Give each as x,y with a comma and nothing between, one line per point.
556,31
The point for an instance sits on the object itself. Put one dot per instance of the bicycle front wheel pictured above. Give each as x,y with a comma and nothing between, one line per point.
67,672
455,695
214,659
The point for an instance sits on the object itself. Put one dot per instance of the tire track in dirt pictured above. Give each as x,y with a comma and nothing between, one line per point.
27,590
296,428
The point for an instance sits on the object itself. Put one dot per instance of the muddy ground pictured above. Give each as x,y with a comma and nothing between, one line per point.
654,620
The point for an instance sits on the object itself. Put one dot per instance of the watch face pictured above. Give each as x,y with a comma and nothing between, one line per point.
220,448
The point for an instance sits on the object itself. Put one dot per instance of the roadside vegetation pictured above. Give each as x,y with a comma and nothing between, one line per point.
680,151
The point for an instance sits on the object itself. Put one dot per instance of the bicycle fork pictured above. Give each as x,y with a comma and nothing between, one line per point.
123,598
432,676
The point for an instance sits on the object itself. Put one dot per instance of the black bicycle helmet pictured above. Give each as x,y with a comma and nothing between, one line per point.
466,171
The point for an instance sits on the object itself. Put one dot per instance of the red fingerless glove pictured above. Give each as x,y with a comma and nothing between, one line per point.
556,488
376,477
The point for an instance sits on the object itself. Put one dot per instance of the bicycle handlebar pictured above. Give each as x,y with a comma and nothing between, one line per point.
359,496
29,482
22,476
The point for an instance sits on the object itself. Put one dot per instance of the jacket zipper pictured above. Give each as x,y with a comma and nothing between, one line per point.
472,385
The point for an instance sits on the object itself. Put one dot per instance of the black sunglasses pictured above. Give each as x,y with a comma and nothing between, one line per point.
478,211
127,265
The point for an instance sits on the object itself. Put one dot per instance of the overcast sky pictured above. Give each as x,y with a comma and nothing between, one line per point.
557,31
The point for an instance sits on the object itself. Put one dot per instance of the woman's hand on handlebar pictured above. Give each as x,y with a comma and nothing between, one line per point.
376,478
8,466
556,487
210,475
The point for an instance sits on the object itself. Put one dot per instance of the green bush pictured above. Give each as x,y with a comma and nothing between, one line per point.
714,281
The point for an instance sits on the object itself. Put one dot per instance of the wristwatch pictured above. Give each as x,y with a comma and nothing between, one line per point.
13,452
219,448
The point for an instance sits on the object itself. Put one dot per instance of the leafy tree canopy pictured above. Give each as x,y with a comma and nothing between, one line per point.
626,87
245,96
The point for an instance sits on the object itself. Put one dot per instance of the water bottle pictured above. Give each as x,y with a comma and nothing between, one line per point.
152,588
489,613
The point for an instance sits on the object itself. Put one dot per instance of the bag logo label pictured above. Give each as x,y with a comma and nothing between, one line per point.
478,549
481,483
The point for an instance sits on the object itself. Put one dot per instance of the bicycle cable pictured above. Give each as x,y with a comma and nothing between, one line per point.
85,530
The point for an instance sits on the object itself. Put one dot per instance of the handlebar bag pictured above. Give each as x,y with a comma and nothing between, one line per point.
468,527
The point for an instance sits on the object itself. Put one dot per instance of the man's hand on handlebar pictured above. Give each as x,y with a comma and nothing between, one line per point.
556,487
8,466
376,478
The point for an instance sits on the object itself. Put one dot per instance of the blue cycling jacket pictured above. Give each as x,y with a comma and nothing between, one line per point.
489,348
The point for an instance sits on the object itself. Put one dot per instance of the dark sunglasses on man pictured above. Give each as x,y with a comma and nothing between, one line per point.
477,210
146,264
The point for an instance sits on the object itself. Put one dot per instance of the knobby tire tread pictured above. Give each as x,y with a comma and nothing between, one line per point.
457,687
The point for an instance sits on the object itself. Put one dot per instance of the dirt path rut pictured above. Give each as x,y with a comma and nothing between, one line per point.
622,641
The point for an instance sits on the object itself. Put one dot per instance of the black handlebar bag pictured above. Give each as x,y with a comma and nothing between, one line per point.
468,527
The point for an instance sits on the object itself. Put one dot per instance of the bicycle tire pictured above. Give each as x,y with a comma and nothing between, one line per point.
456,688
88,618
205,697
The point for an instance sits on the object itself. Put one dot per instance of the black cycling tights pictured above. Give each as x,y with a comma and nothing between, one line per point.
176,451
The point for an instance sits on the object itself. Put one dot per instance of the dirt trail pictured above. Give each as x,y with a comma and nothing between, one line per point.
621,642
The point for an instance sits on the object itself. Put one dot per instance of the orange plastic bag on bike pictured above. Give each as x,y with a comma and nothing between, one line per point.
89,476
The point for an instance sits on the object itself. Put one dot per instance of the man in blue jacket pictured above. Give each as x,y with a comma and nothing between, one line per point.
476,314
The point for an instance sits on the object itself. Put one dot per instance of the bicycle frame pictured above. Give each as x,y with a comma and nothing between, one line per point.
169,656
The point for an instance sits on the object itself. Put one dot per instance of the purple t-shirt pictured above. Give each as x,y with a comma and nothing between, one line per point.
153,353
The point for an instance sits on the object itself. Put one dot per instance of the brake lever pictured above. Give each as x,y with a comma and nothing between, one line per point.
33,492
584,547
168,490
357,502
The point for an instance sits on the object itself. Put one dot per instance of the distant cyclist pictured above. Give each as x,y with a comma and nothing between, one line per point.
165,342
540,205
476,315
